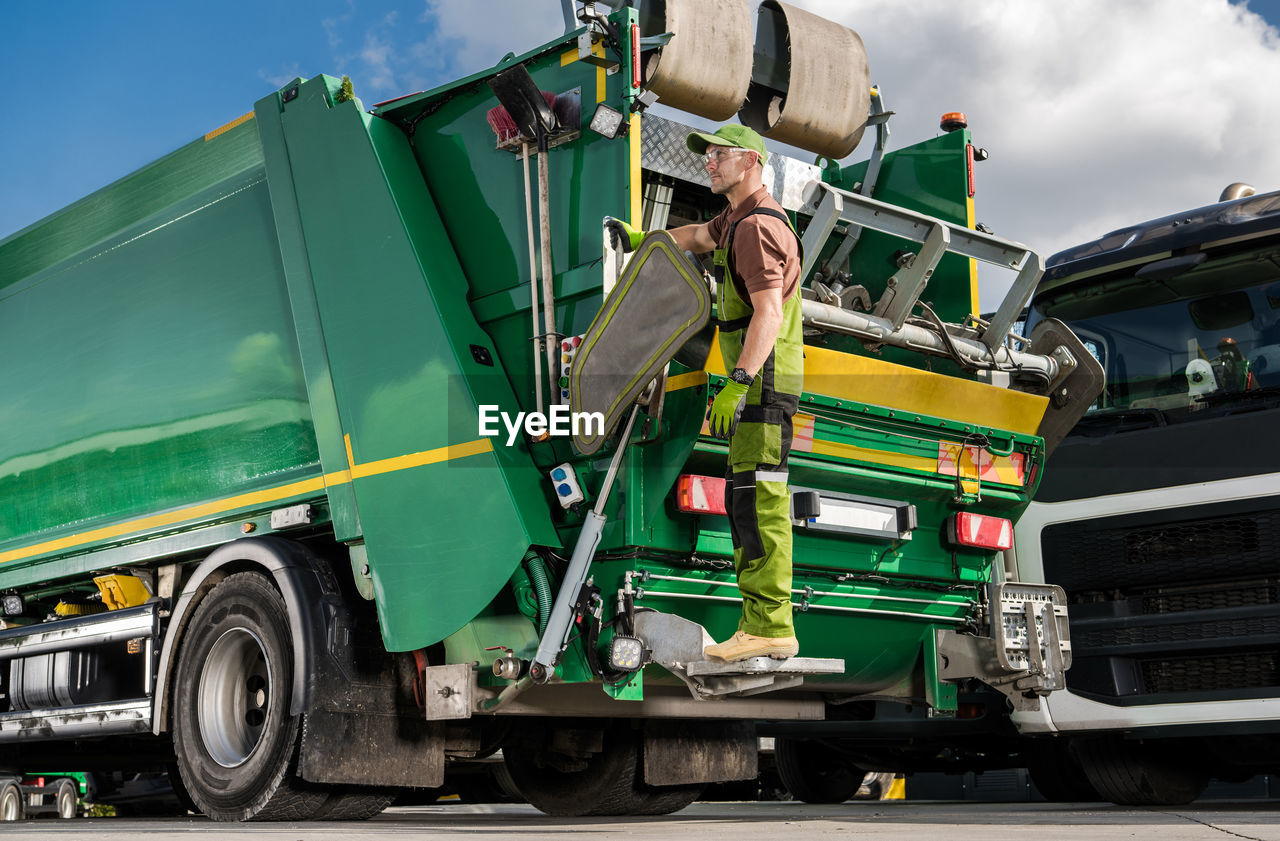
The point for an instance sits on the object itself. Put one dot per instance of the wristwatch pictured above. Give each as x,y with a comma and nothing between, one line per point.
740,376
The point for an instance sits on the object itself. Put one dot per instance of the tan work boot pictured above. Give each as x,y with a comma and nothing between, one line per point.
742,646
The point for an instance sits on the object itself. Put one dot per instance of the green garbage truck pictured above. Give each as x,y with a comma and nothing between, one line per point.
341,448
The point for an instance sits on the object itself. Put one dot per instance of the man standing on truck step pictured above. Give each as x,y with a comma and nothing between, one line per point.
757,269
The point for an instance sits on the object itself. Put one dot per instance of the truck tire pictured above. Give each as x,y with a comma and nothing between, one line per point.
814,772
610,782
11,807
67,799
185,803
1130,773
505,786
353,803
236,744
663,800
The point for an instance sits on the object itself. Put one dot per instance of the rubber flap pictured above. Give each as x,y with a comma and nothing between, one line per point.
659,303
1072,397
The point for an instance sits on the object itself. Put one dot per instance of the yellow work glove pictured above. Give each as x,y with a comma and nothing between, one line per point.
622,235
724,409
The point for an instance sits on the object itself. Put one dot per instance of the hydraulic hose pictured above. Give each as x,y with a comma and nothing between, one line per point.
541,581
507,695
536,569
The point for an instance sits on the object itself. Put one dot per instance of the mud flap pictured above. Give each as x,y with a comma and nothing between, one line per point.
372,749
366,730
679,752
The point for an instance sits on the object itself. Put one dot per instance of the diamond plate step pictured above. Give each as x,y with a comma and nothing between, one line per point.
677,644
766,666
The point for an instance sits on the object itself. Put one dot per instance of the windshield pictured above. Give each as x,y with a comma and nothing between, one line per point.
1180,356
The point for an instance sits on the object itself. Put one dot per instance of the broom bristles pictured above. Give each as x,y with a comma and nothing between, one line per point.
504,125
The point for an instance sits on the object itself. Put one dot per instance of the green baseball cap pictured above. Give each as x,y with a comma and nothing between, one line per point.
737,136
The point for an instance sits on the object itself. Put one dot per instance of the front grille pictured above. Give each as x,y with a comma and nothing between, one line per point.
1087,642
1206,540
1203,674
1147,550
1172,602
1242,594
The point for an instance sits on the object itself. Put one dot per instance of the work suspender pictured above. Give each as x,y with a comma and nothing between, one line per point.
742,323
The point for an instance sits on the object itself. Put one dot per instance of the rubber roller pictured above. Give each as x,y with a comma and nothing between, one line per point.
706,66
810,84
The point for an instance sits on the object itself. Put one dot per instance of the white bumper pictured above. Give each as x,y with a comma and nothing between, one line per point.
1064,712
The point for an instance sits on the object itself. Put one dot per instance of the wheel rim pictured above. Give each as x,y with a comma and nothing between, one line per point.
234,693
9,805
66,804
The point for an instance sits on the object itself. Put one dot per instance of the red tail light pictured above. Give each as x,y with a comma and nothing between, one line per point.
635,55
968,157
700,495
980,531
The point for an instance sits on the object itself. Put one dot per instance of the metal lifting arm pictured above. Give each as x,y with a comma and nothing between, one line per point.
867,187
888,323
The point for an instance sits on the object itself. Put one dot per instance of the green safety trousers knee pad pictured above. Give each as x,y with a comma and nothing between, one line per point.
759,507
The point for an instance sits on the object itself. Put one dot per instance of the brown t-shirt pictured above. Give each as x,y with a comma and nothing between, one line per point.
766,253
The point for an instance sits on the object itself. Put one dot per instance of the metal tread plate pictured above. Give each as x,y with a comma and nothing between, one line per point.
767,665
663,150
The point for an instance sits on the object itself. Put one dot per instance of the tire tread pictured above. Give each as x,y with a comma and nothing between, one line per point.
1135,774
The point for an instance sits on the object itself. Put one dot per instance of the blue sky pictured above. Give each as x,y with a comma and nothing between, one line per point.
1097,113
99,88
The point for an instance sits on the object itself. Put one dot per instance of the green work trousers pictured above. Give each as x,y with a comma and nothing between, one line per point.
759,507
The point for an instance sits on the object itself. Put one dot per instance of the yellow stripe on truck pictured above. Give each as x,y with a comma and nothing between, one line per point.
952,457
910,390
228,127
252,499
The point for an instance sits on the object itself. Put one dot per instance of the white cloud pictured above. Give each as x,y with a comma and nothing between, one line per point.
1097,114
480,34
379,66
377,55
335,26
279,79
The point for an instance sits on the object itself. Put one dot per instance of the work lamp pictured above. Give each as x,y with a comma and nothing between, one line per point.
626,653
607,122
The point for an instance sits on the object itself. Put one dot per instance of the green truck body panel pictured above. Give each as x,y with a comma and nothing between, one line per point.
174,379
313,305
930,177
397,334
124,404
